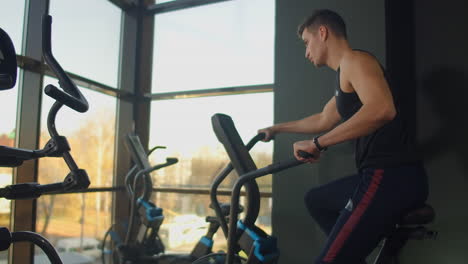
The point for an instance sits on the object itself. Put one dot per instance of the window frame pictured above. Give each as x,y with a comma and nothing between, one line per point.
133,94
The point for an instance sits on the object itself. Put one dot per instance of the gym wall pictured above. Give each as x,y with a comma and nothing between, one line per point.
423,45
441,73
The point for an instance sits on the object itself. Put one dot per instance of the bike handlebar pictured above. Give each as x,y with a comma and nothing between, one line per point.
71,95
7,238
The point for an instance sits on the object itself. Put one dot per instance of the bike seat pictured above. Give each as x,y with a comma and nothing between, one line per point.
419,216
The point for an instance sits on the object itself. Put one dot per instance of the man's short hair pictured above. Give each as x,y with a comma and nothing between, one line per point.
327,18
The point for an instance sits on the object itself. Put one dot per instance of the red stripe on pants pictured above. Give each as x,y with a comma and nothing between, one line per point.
353,220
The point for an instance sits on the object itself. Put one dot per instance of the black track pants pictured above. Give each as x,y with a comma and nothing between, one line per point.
357,211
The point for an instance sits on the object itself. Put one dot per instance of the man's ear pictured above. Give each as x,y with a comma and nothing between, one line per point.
323,32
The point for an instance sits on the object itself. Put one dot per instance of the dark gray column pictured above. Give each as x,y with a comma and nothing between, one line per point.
135,77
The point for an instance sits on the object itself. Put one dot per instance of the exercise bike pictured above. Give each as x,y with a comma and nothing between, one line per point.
57,146
147,217
255,243
259,247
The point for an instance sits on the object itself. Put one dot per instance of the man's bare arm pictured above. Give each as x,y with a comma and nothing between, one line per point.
367,78
317,123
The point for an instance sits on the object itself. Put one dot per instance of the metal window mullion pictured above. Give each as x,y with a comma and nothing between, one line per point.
135,78
124,116
178,190
262,88
143,74
178,5
123,4
30,64
28,127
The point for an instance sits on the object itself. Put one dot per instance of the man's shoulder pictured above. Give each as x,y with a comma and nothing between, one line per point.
356,60
357,57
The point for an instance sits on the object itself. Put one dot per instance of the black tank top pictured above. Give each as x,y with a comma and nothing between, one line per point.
389,146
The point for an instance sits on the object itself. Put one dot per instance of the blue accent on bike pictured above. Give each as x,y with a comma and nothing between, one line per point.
208,242
153,212
261,244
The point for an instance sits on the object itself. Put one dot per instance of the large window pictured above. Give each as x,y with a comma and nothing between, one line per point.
85,40
91,137
227,44
86,37
79,218
11,21
163,1
7,138
184,220
74,224
213,46
184,127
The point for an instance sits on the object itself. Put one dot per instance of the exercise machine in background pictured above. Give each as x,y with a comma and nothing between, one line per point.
57,146
243,235
146,217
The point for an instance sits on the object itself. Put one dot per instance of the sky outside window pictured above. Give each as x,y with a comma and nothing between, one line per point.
185,124
11,21
86,38
184,127
212,46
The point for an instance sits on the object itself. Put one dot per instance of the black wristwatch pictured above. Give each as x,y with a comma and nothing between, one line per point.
317,144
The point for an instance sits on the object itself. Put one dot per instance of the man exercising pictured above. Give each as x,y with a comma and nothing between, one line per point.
356,211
